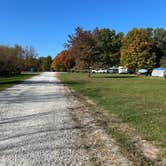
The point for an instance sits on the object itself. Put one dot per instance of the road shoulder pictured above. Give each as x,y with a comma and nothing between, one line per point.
100,129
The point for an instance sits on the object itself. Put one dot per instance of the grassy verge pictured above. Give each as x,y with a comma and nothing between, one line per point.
138,101
7,82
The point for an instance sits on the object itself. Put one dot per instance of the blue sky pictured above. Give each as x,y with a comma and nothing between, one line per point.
45,24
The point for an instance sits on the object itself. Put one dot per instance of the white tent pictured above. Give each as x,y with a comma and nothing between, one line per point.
160,72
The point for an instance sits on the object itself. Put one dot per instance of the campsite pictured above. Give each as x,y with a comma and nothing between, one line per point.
83,83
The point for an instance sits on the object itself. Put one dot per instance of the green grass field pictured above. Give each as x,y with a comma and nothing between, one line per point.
7,82
139,101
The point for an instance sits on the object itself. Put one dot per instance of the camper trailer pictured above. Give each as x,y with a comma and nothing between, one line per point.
159,72
123,70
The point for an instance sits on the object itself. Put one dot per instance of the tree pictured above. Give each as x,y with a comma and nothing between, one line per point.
108,44
136,50
29,55
159,41
63,61
99,48
10,60
48,61
163,62
44,63
82,48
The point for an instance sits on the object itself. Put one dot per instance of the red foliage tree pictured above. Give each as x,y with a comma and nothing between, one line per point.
82,47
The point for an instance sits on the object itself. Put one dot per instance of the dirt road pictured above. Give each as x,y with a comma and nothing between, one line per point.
36,127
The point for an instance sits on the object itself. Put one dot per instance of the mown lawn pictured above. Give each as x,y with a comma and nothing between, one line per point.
8,81
139,101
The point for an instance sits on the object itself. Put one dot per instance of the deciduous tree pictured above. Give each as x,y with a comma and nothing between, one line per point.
136,50
63,61
82,48
108,45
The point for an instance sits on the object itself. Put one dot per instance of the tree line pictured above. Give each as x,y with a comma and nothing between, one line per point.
15,59
103,48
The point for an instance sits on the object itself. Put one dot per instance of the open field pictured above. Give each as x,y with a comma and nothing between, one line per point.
8,81
138,101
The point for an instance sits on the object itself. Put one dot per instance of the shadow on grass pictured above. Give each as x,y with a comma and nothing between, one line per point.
75,82
10,82
114,76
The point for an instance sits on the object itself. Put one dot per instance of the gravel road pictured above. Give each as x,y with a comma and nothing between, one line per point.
36,127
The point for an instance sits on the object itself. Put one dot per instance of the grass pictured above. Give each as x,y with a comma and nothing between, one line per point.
9,81
138,101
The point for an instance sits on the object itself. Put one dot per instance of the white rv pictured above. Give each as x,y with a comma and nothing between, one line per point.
123,70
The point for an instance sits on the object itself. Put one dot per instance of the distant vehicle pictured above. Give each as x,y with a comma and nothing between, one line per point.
102,71
159,72
142,71
123,70
94,71
99,71
113,69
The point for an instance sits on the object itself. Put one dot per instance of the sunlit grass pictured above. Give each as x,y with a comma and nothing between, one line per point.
139,101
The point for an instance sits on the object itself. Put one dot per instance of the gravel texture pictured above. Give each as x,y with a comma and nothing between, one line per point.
37,128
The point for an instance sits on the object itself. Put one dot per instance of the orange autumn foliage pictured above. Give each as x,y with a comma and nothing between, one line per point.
63,61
